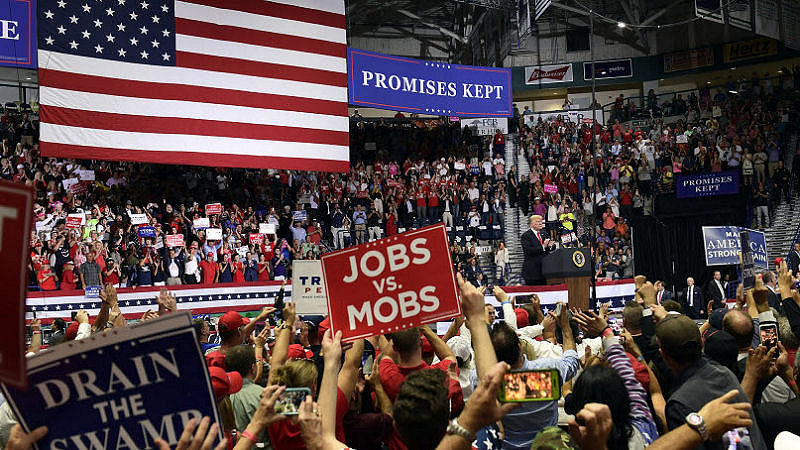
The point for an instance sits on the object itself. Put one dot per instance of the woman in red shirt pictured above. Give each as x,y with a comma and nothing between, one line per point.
391,222
263,268
238,269
111,274
46,277
68,277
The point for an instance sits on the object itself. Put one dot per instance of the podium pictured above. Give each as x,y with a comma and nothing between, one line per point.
570,266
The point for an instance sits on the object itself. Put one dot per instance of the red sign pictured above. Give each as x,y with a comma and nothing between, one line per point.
256,238
16,202
174,240
391,284
213,208
80,187
550,188
73,222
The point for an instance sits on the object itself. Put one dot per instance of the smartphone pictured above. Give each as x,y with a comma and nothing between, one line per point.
289,402
259,327
540,385
367,364
558,310
769,336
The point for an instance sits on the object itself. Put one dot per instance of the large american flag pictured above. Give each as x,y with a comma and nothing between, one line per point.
235,83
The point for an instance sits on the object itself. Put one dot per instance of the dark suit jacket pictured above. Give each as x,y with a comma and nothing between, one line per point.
713,293
794,259
693,311
665,295
534,252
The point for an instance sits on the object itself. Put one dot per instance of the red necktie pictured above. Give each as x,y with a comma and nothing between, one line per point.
539,236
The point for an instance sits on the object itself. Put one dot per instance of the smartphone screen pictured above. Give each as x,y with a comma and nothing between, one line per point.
769,335
530,386
289,402
367,364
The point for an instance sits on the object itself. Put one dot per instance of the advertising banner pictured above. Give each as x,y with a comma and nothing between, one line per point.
174,240
213,208
708,184
201,223
214,234
723,245
689,59
308,288
391,284
619,68
556,73
753,49
486,126
427,87
16,206
577,116
147,232
18,33
127,388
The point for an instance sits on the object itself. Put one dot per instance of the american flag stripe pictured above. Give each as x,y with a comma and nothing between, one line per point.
253,81
171,91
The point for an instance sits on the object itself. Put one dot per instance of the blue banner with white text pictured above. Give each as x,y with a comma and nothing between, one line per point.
121,389
723,245
427,87
18,33
707,184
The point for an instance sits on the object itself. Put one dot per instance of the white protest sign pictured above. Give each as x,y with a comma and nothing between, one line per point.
201,223
266,228
138,219
86,175
214,234
308,288
68,183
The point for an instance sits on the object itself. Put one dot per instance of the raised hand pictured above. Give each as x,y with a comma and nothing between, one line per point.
591,324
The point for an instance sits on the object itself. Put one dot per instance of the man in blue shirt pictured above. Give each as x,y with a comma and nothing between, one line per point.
522,423
360,222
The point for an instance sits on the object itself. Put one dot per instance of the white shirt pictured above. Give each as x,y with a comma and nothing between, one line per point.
173,270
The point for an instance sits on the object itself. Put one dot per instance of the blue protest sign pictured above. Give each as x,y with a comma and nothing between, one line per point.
120,389
620,68
708,184
147,232
723,245
92,291
748,266
299,216
18,33
426,87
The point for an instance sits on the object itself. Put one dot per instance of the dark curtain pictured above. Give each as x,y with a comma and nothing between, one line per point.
671,248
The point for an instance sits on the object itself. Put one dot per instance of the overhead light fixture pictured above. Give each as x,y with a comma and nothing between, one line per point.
733,92
708,82
27,78
621,24
603,72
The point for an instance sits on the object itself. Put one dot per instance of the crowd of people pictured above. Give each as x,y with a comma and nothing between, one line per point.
653,378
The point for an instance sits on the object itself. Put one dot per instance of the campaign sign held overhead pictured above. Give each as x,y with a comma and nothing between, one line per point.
118,390
723,245
18,33
391,284
427,87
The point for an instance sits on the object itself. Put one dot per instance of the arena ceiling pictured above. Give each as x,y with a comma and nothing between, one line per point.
452,27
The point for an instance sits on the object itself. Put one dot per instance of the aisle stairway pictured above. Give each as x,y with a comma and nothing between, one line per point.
515,222
785,222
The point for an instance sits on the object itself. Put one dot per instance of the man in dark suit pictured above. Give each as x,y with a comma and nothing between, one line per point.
770,283
794,259
662,293
534,247
692,300
715,291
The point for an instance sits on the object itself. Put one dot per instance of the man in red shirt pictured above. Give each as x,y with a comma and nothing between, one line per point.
46,277
499,142
401,354
210,269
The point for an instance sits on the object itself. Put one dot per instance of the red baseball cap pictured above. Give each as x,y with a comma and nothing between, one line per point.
296,351
224,383
522,318
216,359
231,320
324,326
426,345
72,331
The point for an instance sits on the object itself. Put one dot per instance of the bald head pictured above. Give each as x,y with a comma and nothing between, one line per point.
739,325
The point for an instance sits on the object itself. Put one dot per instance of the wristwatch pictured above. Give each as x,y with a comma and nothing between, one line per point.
455,429
697,423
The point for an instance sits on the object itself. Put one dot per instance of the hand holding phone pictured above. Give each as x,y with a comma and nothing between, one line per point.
540,385
769,336
289,401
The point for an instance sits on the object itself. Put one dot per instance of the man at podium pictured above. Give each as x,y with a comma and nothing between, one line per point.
534,247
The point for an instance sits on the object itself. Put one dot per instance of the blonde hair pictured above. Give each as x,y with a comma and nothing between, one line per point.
297,373
534,217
